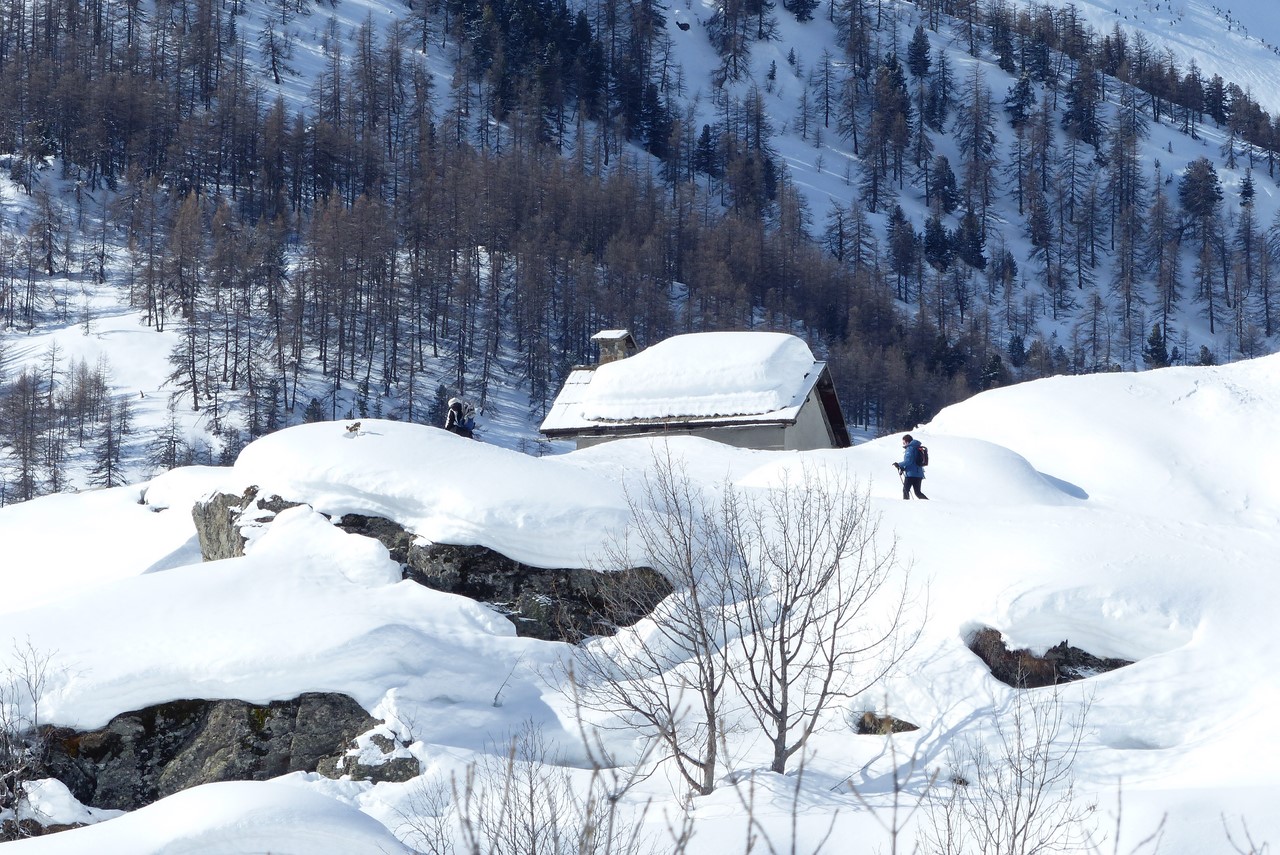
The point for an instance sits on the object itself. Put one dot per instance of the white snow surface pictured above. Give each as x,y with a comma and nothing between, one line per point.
700,375
230,819
1236,40
443,487
1135,515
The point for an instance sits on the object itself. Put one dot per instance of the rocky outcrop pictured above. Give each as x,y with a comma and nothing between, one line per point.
11,830
1072,663
395,537
221,519
379,759
551,604
1023,669
872,724
147,754
557,605
216,525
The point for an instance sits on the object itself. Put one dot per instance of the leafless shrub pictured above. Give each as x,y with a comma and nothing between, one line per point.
425,819
1018,798
1246,845
518,800
757,830
905,802
23,683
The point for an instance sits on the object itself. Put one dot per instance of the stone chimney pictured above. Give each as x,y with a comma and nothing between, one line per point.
614,345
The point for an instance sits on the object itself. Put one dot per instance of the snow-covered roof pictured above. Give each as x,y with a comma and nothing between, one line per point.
610,335
716,376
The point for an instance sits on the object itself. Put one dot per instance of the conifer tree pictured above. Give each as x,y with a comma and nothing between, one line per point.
946,194
1268,310
851,110
1019,101
1162,250
106,457
23,428
1080,117
936,244
902,244
802,9
976,139
168,447
835,236
1156,351
1200,194
939,101
919,53
969,242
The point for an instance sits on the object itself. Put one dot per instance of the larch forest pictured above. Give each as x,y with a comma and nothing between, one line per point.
397,235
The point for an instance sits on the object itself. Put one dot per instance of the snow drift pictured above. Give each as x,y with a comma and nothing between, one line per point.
1136,516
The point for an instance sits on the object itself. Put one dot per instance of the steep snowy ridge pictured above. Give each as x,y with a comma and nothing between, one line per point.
1237,41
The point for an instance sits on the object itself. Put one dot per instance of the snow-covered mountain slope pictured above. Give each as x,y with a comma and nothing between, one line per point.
1133,515
231,818
87,320
1237,40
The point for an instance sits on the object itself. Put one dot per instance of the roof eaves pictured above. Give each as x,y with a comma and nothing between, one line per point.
639,428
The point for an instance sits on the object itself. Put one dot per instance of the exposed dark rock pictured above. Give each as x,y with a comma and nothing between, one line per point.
22,829
220,518
395,537
1023,669
215,520
551,604
558,605
1018,668
1076,664
385,767
148,754
870,724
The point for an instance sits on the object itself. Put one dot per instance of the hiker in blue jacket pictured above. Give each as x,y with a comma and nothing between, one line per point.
910,469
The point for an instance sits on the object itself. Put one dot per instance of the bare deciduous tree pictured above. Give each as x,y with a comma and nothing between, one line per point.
810,564
666,676
774,594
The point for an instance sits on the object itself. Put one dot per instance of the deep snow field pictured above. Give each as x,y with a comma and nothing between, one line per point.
1135,515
